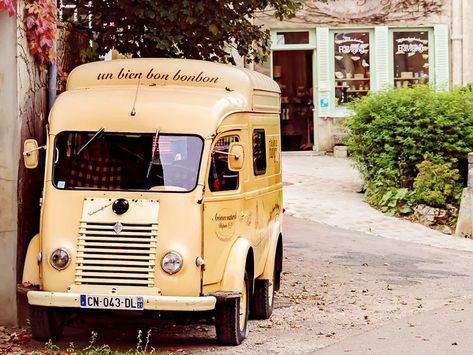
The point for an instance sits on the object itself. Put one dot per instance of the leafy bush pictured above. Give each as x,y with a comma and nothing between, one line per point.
392,132
436,184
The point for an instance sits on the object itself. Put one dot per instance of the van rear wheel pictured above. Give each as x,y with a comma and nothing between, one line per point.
46,323
231,317
262,302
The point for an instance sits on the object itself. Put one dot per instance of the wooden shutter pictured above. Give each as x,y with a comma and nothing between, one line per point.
442,67
325,84
381,68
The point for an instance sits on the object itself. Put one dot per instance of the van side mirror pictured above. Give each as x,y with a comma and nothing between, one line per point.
235,156
30,153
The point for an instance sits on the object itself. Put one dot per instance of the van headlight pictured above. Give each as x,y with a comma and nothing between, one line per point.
171,262
60,259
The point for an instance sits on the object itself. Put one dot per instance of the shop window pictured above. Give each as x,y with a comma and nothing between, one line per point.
292,37
221,178
259,152
352,66
411,58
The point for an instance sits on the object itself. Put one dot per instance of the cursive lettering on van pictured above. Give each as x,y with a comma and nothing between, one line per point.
104,76
230,217
157,76
194,78
154,74
128,74
91,213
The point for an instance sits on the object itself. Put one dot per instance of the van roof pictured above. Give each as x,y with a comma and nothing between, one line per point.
171,109
176,95
167,71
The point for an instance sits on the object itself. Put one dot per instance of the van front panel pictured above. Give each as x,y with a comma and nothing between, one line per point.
122,251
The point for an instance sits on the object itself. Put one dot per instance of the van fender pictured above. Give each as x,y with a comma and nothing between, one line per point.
271,256
235,267
31,267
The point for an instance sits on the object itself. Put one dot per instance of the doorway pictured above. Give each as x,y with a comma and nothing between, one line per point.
293,71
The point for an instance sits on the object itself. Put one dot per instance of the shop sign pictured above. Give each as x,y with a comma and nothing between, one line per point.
413,45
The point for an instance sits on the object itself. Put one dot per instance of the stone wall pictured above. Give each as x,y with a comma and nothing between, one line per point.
9,153
22,112
32,109
353,13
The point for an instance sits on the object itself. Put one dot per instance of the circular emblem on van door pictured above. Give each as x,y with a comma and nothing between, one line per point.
120,206
225,224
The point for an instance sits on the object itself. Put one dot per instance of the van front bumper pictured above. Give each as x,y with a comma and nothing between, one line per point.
154,303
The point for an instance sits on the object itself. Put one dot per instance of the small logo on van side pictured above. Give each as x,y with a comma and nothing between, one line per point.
225,221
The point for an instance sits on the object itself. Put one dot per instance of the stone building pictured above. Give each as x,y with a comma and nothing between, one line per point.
23,88
333,52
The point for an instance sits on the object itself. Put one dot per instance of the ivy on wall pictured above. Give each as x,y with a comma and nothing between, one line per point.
40,20
8,5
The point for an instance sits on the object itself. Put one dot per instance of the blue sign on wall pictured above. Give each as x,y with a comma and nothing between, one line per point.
323,103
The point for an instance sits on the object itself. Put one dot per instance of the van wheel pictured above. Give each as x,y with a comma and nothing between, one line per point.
46,323
262,302
231,317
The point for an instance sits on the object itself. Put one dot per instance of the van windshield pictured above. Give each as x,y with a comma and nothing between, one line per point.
119,161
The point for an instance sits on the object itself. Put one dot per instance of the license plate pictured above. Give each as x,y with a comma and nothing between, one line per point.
111,302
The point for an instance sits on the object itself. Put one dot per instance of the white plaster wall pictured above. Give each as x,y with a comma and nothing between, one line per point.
467,42
9,153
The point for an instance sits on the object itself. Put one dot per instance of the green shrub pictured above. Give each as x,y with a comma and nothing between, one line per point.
437,184
392,132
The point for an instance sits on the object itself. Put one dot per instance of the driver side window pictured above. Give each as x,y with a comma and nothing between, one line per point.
220,176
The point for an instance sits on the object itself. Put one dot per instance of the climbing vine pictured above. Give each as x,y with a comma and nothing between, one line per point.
9,5
40,23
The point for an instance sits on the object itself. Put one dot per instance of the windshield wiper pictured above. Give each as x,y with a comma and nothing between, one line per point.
96,135
153,147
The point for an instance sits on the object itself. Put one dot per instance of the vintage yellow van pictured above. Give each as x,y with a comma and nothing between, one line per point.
162,192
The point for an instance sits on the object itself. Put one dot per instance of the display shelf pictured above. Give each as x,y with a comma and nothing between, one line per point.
418,78
353,79
351,90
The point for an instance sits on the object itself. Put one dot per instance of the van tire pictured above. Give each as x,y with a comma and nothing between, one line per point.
46,323
262,302
228,321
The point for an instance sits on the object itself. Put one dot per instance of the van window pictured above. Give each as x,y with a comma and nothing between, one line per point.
259,152
220,176
119,161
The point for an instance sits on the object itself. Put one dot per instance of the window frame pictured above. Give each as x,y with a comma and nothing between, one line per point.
431,44
303,46
338,110
212,147
53,172
256,171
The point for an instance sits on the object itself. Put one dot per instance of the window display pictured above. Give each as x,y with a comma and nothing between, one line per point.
352,66
411,58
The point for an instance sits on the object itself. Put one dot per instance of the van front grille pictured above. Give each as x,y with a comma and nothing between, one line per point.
105,257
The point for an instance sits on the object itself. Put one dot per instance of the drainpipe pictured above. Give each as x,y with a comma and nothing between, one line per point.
52,82
457,42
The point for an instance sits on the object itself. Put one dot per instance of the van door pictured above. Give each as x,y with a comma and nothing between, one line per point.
222,208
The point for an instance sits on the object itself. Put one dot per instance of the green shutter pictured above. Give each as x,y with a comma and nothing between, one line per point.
381,68
324,79
442,67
